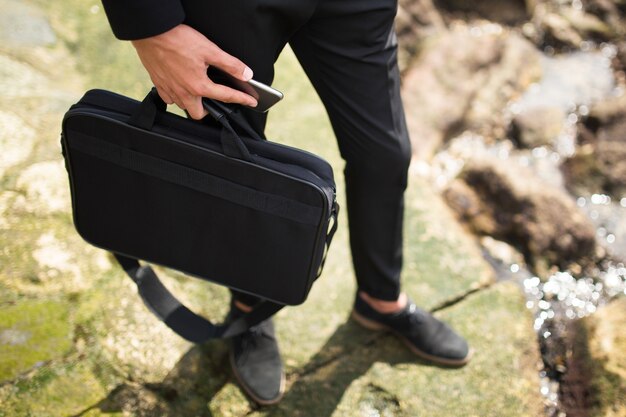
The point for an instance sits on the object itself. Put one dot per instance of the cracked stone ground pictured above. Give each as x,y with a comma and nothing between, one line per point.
76,340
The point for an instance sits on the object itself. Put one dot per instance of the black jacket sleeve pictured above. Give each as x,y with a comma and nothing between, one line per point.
137,19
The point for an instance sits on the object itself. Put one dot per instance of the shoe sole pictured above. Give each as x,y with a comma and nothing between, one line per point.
249,392
372,325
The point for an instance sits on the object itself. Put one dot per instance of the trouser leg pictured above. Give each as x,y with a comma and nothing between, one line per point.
348,49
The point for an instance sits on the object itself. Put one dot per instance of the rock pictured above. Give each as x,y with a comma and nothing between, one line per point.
619,63
467,204
508,12
595,382
56,263
568,25
599,164
127,362
128,337
16,141
501,251
537,126
587,25
14,337
22,24
510,204
462,80
20,80
30,333
607,112
559,30
383,378
611,12
415,21
46,187
57,389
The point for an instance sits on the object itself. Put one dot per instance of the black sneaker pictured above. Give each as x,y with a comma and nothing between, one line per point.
426,336
256,363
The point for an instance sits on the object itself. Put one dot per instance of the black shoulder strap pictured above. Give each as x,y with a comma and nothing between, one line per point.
179,318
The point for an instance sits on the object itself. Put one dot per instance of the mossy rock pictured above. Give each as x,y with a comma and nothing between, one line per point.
384,378
595,382
117,326
32,332
58,389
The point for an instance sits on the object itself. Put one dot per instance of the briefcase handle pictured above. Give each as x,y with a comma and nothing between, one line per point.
232,145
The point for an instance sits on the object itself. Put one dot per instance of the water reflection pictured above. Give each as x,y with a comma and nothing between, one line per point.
557,300
572,80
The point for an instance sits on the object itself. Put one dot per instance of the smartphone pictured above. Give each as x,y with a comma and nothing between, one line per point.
265,95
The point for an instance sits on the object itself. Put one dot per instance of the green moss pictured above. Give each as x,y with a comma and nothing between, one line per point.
441,260
20,272
32,332
229,402
7,296
54,390
18,241
600,347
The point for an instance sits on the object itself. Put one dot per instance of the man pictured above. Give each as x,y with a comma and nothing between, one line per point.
348,50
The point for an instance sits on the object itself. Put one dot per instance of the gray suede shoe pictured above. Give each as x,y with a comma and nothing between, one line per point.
256,362
426,336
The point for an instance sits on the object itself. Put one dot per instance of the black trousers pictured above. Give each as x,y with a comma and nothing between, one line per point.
348,50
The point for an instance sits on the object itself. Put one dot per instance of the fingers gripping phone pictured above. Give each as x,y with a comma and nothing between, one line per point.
265,95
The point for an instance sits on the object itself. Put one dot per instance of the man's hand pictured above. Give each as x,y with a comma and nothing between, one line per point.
177,62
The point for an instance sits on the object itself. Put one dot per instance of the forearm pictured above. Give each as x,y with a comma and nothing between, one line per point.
139,19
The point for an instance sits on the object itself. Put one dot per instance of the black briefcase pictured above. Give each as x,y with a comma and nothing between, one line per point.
210,199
